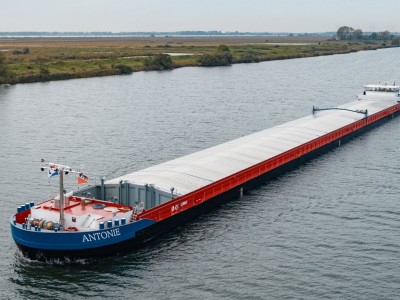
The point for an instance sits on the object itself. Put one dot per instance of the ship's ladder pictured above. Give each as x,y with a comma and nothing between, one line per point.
137,210
133,217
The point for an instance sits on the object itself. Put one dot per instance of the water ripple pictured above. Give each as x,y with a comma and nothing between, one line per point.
327,230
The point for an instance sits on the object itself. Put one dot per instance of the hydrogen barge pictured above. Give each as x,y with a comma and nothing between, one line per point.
125,212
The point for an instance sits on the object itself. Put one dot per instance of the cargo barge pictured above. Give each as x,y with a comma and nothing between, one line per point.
128,211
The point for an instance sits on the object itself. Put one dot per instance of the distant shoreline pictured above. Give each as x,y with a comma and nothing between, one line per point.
61,58
156,33
184,33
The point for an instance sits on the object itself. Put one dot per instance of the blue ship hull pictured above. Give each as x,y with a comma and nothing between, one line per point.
49,244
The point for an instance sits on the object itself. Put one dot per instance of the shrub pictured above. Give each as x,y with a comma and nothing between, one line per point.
221,57
158,62
123,69
6,76
209,60
215,59
26,50
249,57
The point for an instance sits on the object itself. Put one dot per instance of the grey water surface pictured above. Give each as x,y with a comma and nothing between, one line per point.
329,229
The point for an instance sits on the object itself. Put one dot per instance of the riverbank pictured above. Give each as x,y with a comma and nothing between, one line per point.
46,59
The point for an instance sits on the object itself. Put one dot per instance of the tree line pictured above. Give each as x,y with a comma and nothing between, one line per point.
349,33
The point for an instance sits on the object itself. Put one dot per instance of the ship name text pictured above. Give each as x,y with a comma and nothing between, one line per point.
97,236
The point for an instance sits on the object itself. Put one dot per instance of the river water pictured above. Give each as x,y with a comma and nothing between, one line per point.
328,229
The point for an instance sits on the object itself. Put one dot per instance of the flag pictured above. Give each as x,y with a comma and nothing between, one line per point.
82,178
52,173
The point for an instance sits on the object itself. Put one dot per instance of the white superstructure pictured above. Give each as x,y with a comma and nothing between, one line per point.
380,91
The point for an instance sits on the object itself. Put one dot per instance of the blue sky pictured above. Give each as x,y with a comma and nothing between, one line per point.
176,15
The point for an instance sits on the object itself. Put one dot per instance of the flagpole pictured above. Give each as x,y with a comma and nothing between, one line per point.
58,169
62,221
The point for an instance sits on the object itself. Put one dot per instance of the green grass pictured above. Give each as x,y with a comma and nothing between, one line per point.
66,59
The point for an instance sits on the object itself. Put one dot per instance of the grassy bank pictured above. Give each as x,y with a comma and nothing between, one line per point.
66,58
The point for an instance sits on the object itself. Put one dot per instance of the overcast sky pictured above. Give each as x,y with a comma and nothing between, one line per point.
177,15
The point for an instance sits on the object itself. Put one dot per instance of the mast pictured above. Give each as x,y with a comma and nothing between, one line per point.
61,169
62,221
